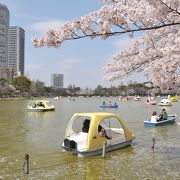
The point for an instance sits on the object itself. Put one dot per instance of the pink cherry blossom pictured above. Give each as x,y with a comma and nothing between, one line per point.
157,53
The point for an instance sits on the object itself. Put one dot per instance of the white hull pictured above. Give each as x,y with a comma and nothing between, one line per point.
41,109
107,149
99,151
93,130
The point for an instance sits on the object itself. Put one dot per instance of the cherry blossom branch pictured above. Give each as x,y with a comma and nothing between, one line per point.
156,53
171,9
124,32
136,67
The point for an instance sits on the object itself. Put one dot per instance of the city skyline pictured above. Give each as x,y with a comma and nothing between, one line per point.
12,40
4,28
80,61
16,50
57,81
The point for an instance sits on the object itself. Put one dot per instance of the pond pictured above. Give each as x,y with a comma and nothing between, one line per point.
40,134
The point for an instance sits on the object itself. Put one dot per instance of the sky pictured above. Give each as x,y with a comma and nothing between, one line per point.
80,61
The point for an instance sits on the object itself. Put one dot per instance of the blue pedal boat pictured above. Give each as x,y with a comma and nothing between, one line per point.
171,119
106,106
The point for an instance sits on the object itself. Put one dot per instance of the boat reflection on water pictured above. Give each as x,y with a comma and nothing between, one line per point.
40,115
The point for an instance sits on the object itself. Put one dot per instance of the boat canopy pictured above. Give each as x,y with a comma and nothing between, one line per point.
88,125
40,105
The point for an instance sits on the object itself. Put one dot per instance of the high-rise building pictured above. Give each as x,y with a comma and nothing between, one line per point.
16,50
57,80
4,27
10,74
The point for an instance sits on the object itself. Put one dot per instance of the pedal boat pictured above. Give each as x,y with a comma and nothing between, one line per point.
109,106
137,98
165,102
40,105
151,102
89,141
170,120
174,98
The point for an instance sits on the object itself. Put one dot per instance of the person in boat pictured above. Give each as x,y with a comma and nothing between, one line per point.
110,103
147,100
86,125
154,117
41,104
102,132
163,115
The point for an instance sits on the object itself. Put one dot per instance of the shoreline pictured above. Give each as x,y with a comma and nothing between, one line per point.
13,98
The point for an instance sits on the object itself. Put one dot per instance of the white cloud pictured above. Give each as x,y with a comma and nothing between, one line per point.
44,26
37,18
68,63
123,44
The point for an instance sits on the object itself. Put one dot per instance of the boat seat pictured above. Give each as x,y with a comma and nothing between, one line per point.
117,135
80,139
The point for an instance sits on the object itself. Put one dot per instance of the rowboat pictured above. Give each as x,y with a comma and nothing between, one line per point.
107,106
170,120
90,134
151,102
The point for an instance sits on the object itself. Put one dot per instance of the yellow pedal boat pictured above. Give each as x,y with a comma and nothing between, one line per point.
174,98
40,105
88,134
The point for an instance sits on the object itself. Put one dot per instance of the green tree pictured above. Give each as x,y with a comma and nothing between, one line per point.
101,91
22,83
37,88
2,82
73,90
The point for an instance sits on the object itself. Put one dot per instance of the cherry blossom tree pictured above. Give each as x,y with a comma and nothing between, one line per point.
157,53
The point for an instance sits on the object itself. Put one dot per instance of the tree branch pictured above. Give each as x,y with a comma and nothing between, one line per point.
126,31
173,10
130,72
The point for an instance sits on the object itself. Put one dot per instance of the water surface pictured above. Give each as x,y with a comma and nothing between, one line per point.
40,134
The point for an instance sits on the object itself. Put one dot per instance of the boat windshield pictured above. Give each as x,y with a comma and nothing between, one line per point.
49,103
112,127
40,104
32,104
81,124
